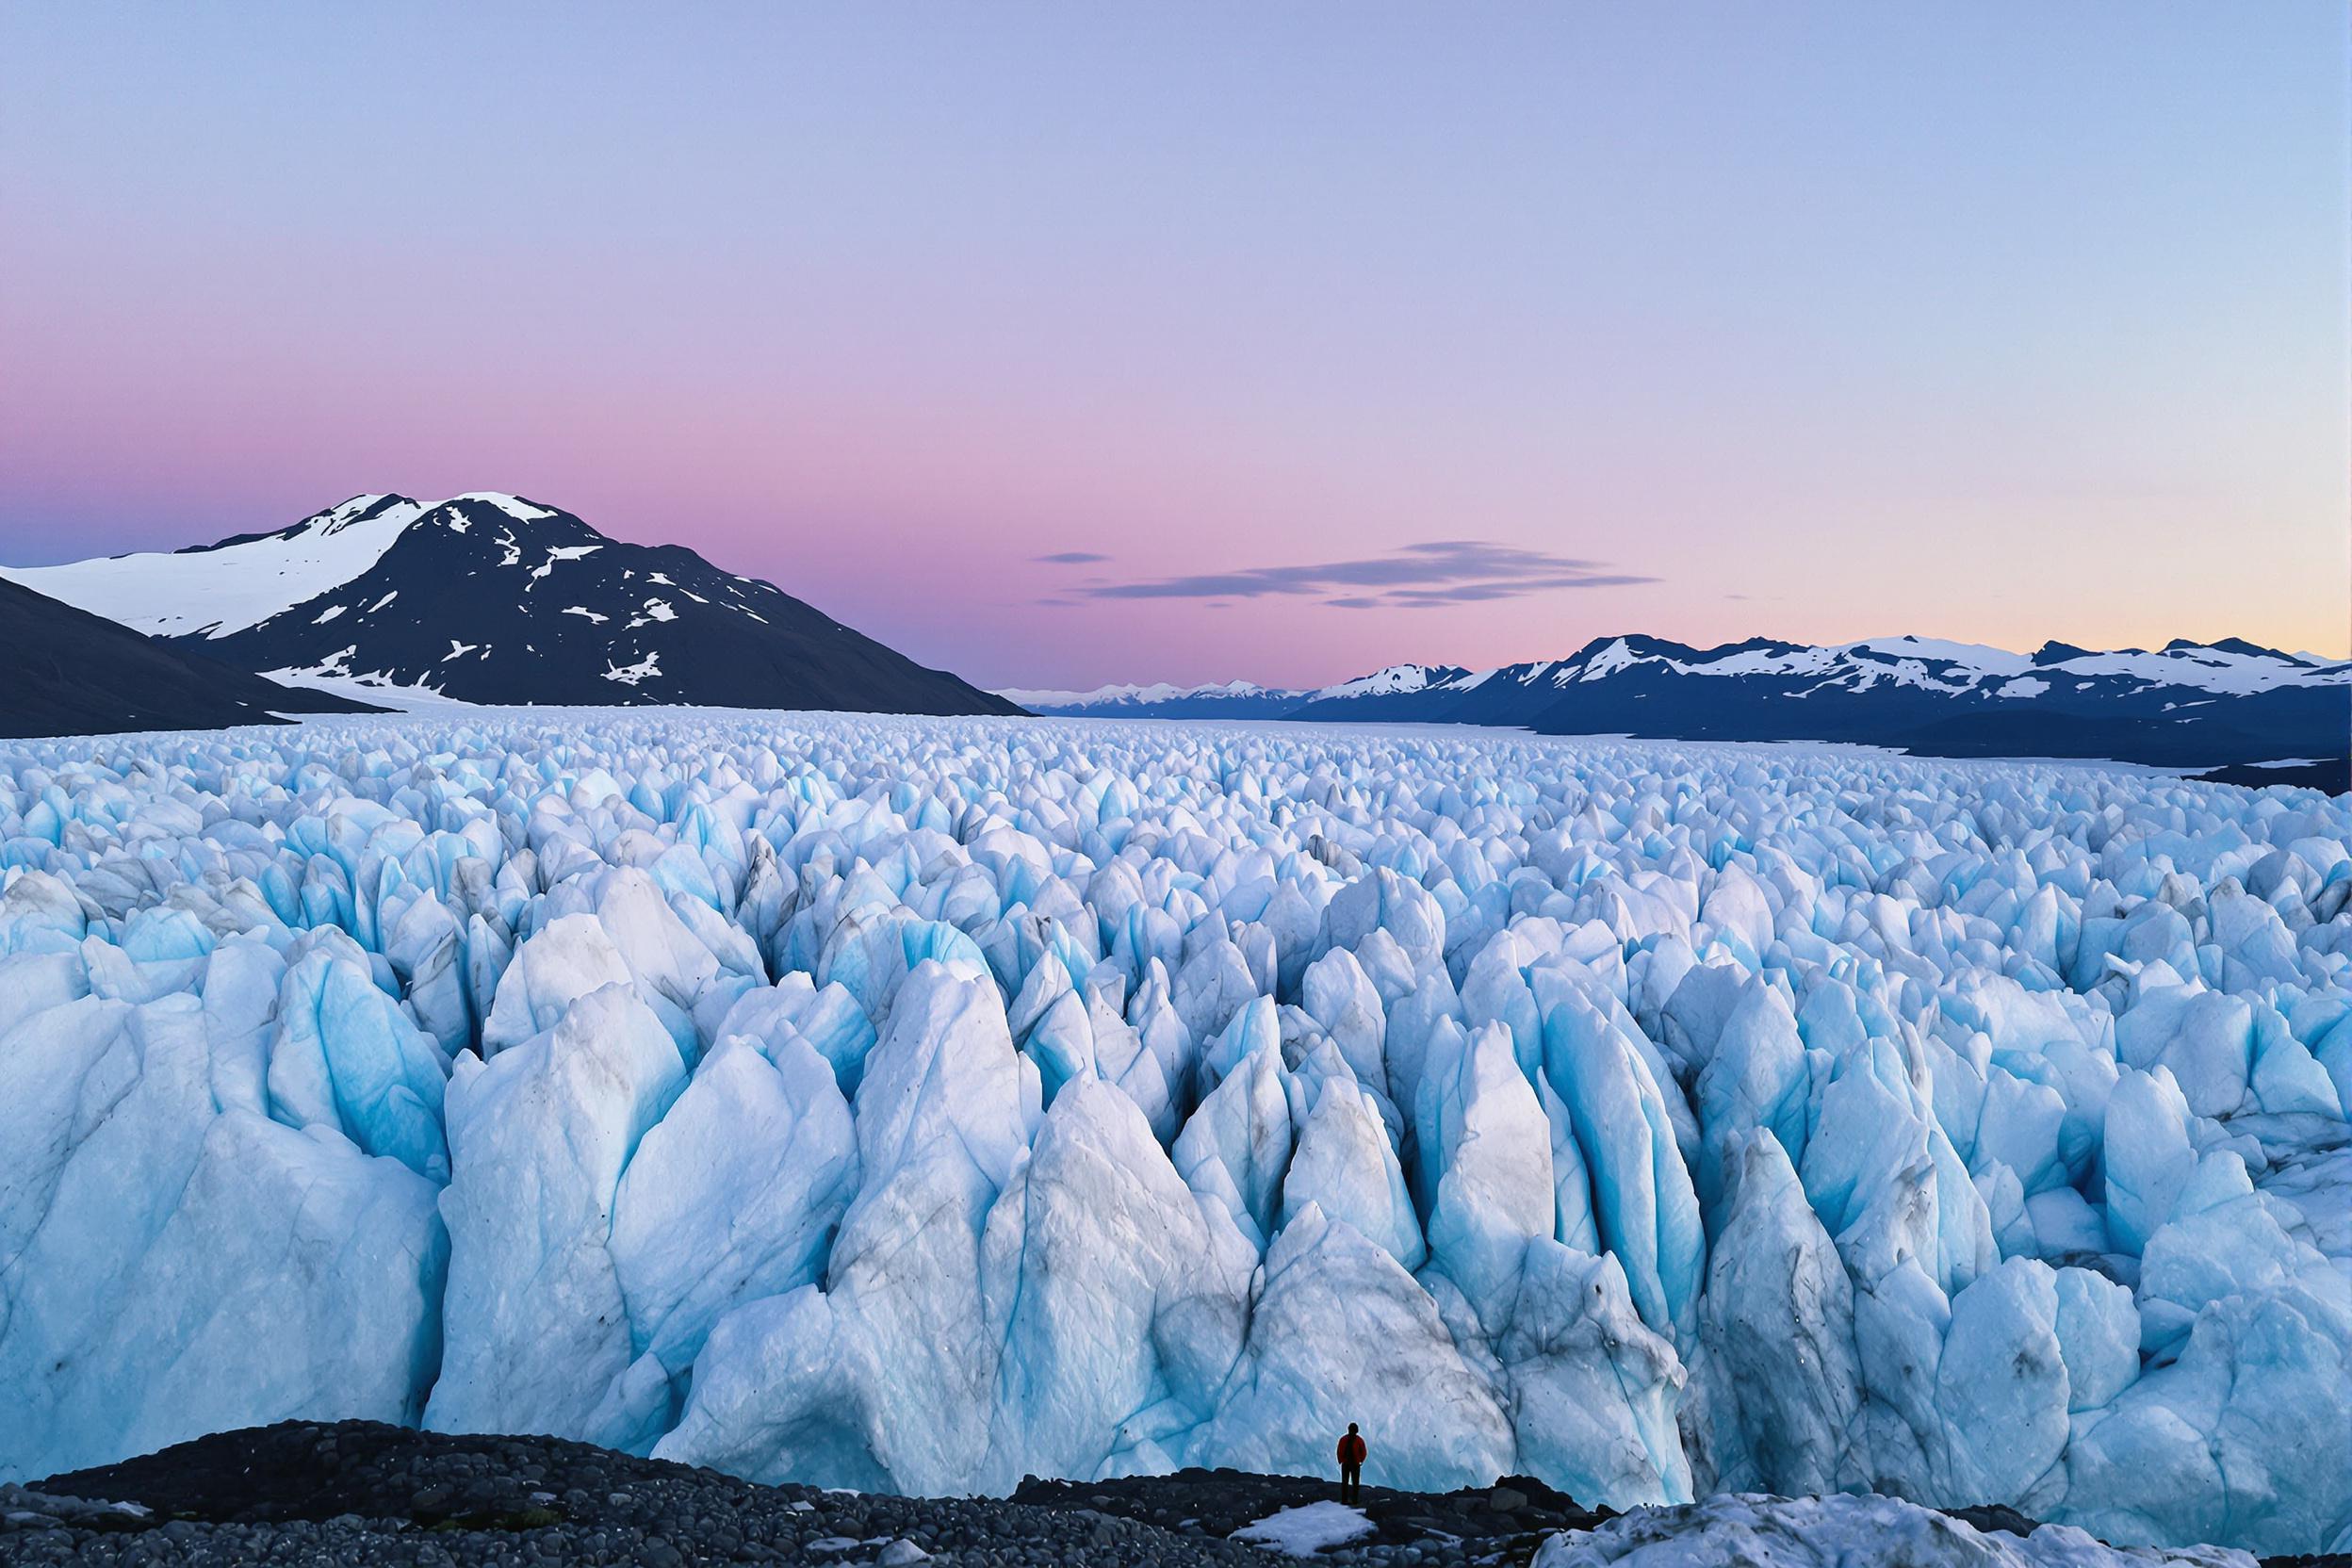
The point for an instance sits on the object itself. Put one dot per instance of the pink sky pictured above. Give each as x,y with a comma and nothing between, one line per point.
1828,324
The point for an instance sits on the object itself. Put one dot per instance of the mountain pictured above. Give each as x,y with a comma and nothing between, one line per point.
493,598
1235,699
2230,704
72,673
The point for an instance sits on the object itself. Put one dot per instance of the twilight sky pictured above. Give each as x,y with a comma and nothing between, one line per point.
1059,344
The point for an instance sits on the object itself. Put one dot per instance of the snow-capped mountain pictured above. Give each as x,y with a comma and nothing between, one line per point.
492,598
2184,705
1233,699
72,673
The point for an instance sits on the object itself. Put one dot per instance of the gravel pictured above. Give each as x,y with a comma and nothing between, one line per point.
363,1492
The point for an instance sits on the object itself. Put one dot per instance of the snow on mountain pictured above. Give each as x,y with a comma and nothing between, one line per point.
2230,666
1395,680
918,1103
2185,705
1142,696
488,598
211,590
1233,699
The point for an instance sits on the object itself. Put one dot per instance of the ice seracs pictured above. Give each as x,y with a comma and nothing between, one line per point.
918,1104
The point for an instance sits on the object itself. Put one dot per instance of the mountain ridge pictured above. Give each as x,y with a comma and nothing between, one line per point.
2230,703
493,598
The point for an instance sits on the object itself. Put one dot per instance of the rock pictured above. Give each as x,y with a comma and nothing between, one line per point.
259,1495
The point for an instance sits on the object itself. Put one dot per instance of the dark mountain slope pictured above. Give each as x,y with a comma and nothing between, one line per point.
66,672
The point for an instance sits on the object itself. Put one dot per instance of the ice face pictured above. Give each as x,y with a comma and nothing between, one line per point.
173,1262
734,1195
1327,1296
918,1104
538,1330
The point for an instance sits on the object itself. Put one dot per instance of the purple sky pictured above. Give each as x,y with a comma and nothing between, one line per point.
1310,337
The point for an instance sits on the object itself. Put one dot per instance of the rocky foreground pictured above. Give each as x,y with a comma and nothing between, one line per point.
361,1492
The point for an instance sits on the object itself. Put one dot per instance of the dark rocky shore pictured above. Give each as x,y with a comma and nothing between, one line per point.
362,1492
359,1491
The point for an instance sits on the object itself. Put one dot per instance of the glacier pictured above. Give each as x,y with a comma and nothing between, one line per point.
918,1104
1742,1531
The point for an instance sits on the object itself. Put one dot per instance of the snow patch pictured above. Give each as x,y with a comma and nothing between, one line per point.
514,506
336,664
561,553
1305,1530
1388,682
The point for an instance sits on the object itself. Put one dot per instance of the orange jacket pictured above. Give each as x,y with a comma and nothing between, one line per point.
1351,1449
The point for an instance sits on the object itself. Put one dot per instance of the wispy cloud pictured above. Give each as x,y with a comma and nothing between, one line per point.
1071,558
1418,576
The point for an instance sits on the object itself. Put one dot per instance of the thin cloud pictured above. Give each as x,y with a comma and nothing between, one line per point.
1417,577
1476,593
1071,558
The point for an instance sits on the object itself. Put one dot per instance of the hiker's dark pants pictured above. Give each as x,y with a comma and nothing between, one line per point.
1352,1483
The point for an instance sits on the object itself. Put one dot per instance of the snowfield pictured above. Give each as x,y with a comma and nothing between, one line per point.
913,1104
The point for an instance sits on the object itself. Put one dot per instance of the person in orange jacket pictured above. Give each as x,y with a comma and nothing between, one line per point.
1352,1455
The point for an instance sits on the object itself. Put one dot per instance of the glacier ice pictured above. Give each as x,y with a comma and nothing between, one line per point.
918,1103
539,1135
1750,1531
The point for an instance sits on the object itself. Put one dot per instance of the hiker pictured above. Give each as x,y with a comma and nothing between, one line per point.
1351,1452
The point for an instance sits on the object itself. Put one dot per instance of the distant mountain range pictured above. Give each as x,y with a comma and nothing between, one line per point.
2229,705
492,598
